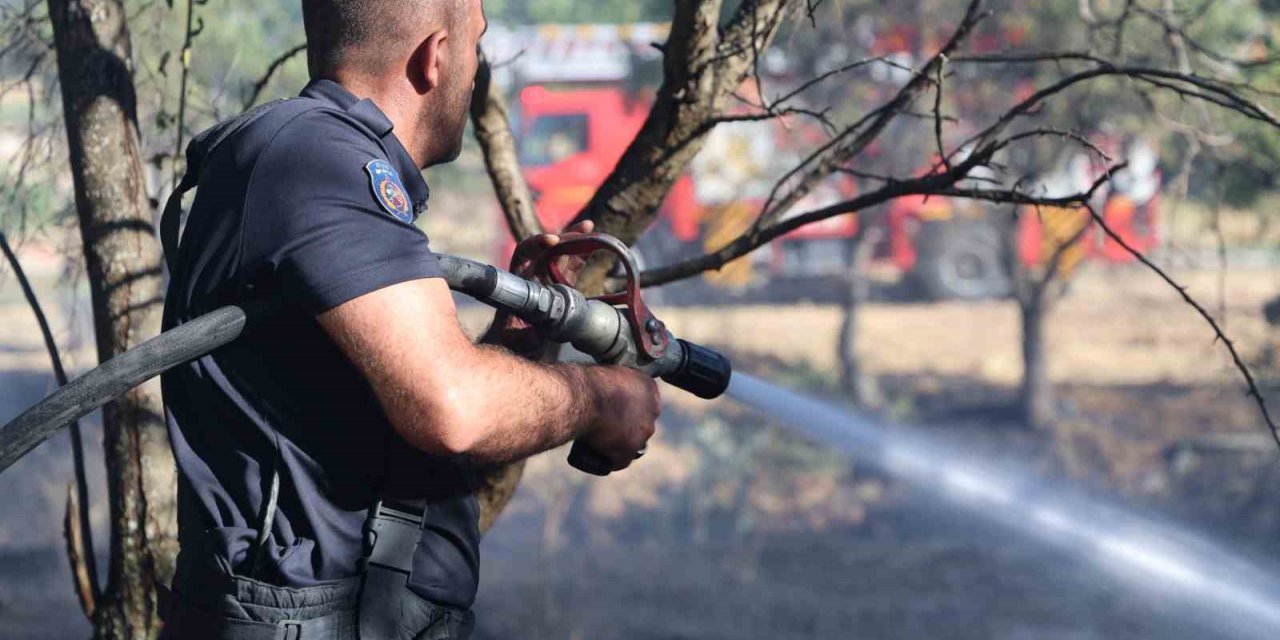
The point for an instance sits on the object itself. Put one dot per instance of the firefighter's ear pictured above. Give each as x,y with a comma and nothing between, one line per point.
425,64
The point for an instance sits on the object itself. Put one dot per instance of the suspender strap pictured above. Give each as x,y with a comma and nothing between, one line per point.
392,533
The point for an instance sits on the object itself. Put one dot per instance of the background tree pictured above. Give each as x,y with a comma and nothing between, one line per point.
123,260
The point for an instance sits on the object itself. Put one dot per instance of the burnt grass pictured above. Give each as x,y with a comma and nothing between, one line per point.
909,568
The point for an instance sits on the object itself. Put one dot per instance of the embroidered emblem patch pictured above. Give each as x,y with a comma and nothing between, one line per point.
389,191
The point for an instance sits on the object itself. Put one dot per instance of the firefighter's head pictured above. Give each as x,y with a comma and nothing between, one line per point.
417,58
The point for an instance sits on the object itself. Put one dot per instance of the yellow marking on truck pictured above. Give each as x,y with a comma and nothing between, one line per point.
1060,225
724,224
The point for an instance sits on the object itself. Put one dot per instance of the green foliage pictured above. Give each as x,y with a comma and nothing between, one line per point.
576,11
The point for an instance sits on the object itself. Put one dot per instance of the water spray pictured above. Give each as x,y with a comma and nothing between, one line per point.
1238,596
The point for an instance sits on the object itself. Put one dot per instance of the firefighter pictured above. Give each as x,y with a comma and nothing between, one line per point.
328,459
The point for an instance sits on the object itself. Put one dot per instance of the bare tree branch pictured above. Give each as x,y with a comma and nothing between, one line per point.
261,83
493,131
1240,365
934,183
759,236
79,531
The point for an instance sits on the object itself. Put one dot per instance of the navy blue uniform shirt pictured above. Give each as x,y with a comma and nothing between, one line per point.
317,209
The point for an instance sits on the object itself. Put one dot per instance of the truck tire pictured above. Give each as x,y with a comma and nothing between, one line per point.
960,260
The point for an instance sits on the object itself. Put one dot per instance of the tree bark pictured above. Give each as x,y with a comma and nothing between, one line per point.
123,261
703,65
858,385
496,492
1037,396
492,127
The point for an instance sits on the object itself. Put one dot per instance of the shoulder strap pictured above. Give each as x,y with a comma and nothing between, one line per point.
202,146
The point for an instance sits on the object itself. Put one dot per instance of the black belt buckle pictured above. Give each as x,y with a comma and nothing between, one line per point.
391,537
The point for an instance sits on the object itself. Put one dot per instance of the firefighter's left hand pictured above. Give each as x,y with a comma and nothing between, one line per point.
512,332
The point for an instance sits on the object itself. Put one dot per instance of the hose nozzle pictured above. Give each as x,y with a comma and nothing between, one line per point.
701,371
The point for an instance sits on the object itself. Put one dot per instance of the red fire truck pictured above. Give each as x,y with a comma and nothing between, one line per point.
578,106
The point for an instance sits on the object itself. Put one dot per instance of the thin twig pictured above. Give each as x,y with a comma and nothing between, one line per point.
85,576
1204,313
937,111
194,27
272,68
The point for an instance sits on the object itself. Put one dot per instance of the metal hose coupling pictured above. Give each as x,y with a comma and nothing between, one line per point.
615,328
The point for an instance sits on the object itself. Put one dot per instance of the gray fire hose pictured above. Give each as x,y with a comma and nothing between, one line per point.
604,330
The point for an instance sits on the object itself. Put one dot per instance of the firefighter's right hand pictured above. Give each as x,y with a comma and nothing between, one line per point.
627,408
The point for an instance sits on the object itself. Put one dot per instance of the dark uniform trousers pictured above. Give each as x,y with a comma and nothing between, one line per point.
242,608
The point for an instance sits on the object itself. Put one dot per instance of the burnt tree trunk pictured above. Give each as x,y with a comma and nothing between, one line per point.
123,261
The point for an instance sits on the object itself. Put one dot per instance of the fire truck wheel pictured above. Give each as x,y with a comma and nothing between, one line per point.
960,260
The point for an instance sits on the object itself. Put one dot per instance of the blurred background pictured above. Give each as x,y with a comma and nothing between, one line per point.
937,312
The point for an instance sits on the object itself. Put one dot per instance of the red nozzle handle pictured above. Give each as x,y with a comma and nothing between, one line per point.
649,332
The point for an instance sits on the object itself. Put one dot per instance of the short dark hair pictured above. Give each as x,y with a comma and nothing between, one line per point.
338,30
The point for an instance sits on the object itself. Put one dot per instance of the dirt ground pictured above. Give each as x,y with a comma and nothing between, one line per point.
733,529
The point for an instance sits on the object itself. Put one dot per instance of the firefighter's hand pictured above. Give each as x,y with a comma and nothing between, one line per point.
531,249
626,414
512,332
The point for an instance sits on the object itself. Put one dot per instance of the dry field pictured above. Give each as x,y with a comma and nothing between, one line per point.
1113,327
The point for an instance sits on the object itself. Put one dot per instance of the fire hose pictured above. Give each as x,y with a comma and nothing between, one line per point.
615,328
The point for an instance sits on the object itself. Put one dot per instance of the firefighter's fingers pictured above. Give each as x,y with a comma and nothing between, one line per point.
582,227
530,248
571,267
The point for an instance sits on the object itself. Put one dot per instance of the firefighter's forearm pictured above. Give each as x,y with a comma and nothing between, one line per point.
505,408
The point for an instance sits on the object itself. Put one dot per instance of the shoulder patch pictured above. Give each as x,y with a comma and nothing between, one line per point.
389,191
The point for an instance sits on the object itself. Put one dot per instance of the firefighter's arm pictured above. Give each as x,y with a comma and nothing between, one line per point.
445,395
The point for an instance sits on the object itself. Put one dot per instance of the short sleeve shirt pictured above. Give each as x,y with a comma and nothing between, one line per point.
313,202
